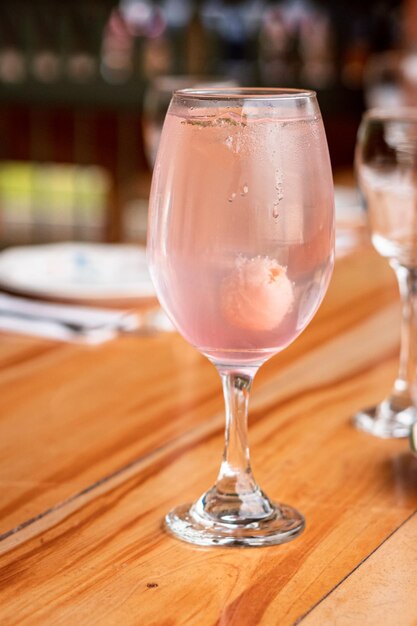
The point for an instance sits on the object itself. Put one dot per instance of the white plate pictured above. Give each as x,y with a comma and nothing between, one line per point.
79,271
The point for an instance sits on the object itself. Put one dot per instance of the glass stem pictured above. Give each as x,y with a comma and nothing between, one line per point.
235,476
235,497
404,391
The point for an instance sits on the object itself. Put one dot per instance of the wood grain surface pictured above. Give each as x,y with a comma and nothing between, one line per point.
96,444
382,590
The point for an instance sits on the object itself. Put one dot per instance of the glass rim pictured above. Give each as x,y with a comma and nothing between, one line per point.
246,93
400,114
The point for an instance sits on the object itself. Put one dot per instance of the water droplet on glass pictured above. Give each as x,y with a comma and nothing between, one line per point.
244,191
232,197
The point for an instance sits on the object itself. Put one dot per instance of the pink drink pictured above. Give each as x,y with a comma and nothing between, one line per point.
241,242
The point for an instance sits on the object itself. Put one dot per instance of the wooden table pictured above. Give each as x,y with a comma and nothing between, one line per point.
98,443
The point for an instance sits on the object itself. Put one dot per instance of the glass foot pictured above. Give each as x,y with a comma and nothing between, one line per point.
382,422
281,525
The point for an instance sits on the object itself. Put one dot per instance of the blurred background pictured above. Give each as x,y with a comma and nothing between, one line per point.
84,87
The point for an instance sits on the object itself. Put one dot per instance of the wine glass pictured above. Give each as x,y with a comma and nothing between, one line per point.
241,249
386,164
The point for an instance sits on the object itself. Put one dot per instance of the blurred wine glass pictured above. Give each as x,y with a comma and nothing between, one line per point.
386,162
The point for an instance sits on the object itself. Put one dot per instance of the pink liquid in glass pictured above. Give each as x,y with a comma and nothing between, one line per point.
241,243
